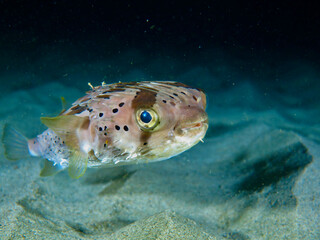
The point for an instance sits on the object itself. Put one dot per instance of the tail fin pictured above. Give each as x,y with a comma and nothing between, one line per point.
15,144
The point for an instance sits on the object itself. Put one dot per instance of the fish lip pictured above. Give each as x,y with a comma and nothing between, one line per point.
196,125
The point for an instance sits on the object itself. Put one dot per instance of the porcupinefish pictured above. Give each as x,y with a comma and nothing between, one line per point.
116,124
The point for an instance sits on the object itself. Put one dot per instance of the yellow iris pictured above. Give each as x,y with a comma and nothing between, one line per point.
147,119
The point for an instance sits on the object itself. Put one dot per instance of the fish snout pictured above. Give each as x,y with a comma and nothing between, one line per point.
192,124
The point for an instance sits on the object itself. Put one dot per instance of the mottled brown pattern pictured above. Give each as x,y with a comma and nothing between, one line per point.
178,84
76,109
104,96
144,99
147,88
144,137
104,128
145,150
120,84
85,99
114,90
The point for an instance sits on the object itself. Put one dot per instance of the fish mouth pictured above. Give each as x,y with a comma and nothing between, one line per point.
192,125
191,133
195,127
198,125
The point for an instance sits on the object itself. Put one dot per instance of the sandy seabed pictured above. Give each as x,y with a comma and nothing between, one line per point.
256,176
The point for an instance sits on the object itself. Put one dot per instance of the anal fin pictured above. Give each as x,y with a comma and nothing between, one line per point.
50,169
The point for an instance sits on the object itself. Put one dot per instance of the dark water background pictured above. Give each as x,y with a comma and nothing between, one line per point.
257,174
259,41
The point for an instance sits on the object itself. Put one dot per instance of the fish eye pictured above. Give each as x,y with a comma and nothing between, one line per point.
145,116
147,119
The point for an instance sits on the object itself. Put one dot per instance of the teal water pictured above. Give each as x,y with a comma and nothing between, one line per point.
256,176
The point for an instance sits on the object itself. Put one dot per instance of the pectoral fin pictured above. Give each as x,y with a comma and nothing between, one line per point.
77,164
66,127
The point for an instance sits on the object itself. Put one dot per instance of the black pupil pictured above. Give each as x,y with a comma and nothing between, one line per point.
145,117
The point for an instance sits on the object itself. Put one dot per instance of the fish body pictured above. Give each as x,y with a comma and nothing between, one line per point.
120,124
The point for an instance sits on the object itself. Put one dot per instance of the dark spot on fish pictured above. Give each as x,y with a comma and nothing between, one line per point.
121,104
76,109
126,128
144,99
115,110
144,137
164,101
175,94
90,109
105,145
183,93
116,90
55,141
105,96
171,97
172,103
194,97
63,142
117,127
85,99
189,106
145,143
105,127
100,114
105,134
100,128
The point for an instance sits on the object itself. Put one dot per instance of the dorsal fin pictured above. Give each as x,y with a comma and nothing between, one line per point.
64,105
67,127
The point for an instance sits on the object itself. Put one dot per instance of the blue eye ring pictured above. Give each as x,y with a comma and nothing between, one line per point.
147,119
145,116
